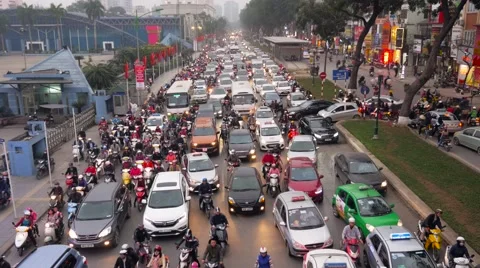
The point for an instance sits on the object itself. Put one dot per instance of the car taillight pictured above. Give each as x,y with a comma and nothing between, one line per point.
305,261
85,260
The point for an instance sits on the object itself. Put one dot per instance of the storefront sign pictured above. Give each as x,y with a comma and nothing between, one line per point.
376,41
456,38
476,50
358,31
417,46
434,33
386,27
399,34
140,76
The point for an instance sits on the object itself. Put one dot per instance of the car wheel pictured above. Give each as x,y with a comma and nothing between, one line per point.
116,238
335,171
456,141
356,116
334,210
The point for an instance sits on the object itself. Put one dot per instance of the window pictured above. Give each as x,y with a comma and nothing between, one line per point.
471,7
469,37
342,194
278,205
384,257
283,214
375,241
340,109
69,262
468,132
350,107
351,203
477,134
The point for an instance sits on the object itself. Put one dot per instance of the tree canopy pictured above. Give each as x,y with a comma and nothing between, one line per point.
268,15
115,11
78,6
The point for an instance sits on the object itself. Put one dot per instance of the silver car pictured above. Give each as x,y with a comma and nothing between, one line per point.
270,97
283,88
340,111
300,223
469,137
259,83
449,120
302,146
199,166
226,83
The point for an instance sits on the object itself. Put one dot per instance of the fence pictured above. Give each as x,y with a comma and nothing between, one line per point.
66,131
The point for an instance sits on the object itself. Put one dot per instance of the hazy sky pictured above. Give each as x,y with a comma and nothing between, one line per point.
147,3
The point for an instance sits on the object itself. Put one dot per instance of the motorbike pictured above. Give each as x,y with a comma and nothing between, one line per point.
266,169
446,144
220,233
108,177
4,200
55,201
50,236
434,241
42,168
232,165
461,262
21,239
353,250
76,153
148,175
172,166
126,179
91,156
211,264
184,259
134,142
144,253
69,180
207,204
99,165
72,210
273,186
141,196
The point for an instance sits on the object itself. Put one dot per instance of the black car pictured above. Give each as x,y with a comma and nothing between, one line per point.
245,191
100,217
241,141
359,168
217,107
310,107
319,128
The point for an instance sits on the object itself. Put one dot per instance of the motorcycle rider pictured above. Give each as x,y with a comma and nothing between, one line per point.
73,171
131,253
268,158
90,145
233,157
116,148
191,242
148,163
103,124
136,171
108,168
204,188
27,220
75,196
459,250
4,176
432,221
123,261
264,260
5,264
472,115
58,191
127,152
82,182
52,218
140,235
158,260
139,155
92,170
349,232
273,170
213,253
217,219
171,157
4,188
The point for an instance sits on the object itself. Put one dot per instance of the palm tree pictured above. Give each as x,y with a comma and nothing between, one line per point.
27,15
3,28
99,76
58,12
94,10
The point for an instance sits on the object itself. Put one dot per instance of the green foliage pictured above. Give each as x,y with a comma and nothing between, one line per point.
268,15
26,14
115,11
214,26
57,11
94,9
78,6
100,76
329,22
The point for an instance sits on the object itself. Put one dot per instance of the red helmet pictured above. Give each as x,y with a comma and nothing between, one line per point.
158,248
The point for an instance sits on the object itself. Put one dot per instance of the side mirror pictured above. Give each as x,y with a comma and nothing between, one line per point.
380,168
216,165
321,177
188,198
325,218
333,111
392,205
282,223
352,211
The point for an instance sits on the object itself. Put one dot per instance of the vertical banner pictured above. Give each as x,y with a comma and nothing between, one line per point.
126,69
386,27
476,49
456,37
358,31
140,75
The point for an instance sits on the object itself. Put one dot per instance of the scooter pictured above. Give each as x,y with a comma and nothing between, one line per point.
446,144
76,153
141,196
273,186
148,175
144,253
108,177
207,204
72,210
184,258
91,156
220,233
99,163
458,262
55,201
434,241
50,237
266,169
21,239
353,251
42,168
211,264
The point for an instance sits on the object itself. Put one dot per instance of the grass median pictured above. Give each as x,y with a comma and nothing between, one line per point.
316,89
439,180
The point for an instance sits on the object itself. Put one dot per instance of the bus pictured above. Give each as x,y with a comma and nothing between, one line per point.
243,98
178,98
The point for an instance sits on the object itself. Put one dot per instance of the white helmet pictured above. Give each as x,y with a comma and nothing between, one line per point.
460,238
263,250
139,166
351,220
125,246
123,252
107,163
80,176
26,213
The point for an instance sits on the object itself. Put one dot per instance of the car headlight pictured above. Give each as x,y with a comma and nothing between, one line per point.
384,184
370,227
231,201
169,114
214,179
252,151
291,113
319,190
195,144
214,143
336,134
72,234
399,223
318,136
105,232
261,199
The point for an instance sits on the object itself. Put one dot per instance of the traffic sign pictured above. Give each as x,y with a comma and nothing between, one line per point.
340,75
364,90
323,75
2,140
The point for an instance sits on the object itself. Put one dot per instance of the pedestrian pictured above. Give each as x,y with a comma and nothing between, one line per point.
395,68
415,70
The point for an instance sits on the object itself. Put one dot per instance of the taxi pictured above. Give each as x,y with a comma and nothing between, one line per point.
300,223
155,120
395,246
269,136
365,205
264,114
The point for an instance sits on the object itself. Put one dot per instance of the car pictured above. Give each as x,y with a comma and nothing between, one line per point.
206,110
302,145
267,88
223,76
295,99
100,217
300,223
218,93
340,111
264,114
226,83
469,137
258,83
353,168
199,95
277,78
283,88
384,99
241,71
310,107
306,54
242,142
242,78
199,166
450,121
245,191
229,70
217,107
269,136
366,205
155,120
270,97
168,205
321,258
204,137
258,75
53,256
395,246
200,84
301,175
272,69
321,130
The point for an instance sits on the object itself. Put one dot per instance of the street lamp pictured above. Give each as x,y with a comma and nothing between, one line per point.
23,31
313,70
380,81
136,27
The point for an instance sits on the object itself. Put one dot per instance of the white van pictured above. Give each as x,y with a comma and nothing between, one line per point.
243,98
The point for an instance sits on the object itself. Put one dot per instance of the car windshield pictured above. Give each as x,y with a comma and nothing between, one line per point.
240,139
200,83
258,75
179,100
302,146
373,206
303,174
272,96
165,199
411,259
318,124
278,78
200,165
95,211
204,131
270,131
260,82
298,97
264,114
223,76
218,91
200,92
154,122
362,167
243,99
268,88
241,184
305,218
283,84
225,82
331,108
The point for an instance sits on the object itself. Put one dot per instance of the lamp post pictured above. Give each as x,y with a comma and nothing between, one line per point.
380,81
313,72
136,27
23,31
86,37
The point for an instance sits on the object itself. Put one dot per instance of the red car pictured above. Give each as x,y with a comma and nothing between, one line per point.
301,175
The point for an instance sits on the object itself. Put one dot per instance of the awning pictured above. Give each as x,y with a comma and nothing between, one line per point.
35,81
53,106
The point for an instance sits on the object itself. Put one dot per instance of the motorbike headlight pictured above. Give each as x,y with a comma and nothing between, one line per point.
336,134
72,234
399,223
384,184
319,190
370,227
252,151
53,197
231,201
261,199
105,232
214,143
291,113
195,144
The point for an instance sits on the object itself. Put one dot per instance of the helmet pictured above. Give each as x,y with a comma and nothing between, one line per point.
274,165
140,225
80,176
195,264
188,233
460,238
103,118
139,166
263,250
474,107
107,163
158,247
232,151
204,180
125,246
217,210
438,210
351,220
4,173
89,139
123,252
170,151
27,212
139,151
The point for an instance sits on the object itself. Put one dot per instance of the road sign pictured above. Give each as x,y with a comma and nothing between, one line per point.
323,75
340,75
2,141
364,90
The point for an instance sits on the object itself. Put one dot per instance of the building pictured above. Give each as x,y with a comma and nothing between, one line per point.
172,9
218,11
6,4
140,10
231,11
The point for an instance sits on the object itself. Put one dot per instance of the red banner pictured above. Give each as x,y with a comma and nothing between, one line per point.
476,49
126,69
386,27
152,59
357,32
140,76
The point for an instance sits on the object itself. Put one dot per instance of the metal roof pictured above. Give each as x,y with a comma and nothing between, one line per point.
284,40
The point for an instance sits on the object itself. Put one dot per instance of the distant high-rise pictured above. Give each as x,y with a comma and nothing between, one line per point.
230,11
218,11
6,4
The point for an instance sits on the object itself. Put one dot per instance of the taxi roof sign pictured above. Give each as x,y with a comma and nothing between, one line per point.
156,114
298,198
400,236
365,187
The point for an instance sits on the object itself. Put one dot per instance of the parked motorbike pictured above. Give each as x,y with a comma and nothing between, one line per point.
22,241
273,186
462,262
207,204
42,168
72,210
76,153
353,250
50,236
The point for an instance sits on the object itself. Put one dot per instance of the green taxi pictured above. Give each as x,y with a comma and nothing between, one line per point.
365,205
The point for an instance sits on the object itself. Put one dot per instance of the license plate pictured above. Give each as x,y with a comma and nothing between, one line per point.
205,149
87,246
328,139
247,209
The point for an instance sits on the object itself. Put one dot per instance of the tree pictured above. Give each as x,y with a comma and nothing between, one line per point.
268,15
78,6
58,12
3,29
27,15
99,76
116,11
94,10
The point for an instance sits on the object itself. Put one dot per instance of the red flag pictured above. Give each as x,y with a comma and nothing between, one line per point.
126,69
152,59
163,53
145,61
159,56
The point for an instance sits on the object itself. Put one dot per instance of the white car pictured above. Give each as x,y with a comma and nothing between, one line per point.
269,136
264,114
302,146
296,99
167,209
283,88
273,70
267,88
200,84
155,120
199,166
326,257
229,71
200,95
218,93
258,83
277,78
226,83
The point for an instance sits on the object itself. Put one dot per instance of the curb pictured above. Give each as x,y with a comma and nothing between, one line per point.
405,193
